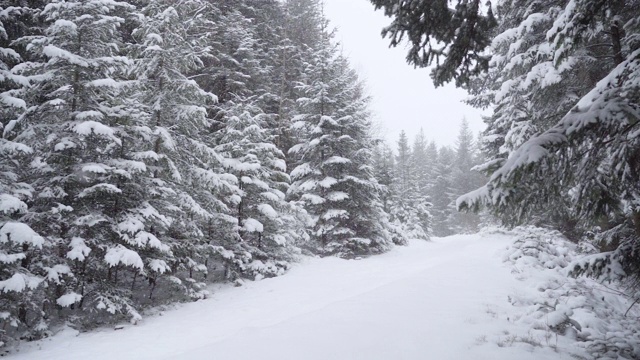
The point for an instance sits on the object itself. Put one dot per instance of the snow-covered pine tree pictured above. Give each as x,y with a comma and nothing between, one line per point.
442,194
410,209
384,172
22,274
21,280
267,225
431,157
384,168
367,219
268,228
80,169
14,22
420,163
305,19
25,256
402,180
238,71
189,187
464,179
333,176
530,94
404,172
285,58
589,158
422,167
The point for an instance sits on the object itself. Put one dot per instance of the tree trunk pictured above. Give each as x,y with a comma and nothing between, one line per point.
616,42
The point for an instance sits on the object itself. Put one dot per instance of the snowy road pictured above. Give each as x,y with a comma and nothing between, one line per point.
438,300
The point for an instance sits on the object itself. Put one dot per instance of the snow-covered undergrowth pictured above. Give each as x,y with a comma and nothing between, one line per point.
426,300
497,295
580,316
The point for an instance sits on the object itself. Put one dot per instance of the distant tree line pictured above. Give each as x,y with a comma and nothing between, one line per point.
422,182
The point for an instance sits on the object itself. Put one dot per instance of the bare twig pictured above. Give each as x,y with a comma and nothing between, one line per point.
635,302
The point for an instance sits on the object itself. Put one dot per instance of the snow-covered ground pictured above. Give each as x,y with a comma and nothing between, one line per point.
445,299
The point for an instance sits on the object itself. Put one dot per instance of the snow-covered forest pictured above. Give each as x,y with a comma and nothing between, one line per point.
422,182
154,152
150,148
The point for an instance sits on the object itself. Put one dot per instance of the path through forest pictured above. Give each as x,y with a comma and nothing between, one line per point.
444,299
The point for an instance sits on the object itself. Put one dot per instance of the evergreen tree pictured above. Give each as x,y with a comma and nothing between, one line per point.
281,60
189,186
403,168
306,23
583,161
238,71
384,170
21,279
464,179
442,192
334,176
431,158
81,170
536,95
267,225
410,208
420,164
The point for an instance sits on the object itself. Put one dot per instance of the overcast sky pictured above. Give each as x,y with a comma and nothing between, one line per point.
403,97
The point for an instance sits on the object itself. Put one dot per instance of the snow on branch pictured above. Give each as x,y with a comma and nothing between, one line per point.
19,233
612,104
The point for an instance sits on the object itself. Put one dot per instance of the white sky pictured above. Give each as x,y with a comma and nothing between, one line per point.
404,98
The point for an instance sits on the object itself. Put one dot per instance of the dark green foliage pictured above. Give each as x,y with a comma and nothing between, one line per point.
453,34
